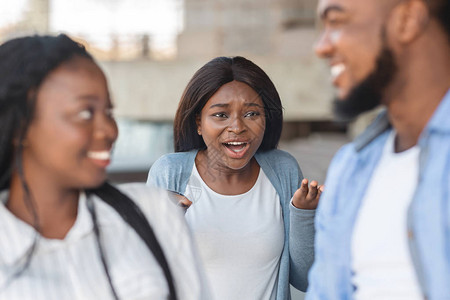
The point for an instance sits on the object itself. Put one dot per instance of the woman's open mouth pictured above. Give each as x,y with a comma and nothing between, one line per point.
100,158
236,149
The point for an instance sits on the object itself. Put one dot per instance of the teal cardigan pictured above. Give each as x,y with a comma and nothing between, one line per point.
172,172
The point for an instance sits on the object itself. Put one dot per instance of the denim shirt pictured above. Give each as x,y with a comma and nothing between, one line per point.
428,218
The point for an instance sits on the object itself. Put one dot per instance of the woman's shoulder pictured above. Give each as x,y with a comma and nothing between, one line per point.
174,158
277,158
171,160
154,202
170,170
279,164
140,192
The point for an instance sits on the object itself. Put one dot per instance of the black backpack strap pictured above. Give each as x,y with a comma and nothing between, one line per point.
133,215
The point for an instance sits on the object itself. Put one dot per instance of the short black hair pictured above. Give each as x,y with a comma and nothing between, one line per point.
441,10
24,64
205,83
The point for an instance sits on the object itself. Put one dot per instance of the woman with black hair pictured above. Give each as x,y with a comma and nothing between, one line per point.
64,232
250,209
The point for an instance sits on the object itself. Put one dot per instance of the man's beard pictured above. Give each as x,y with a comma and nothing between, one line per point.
369,93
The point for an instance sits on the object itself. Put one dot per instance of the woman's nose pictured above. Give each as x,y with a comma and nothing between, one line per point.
106,128
236,125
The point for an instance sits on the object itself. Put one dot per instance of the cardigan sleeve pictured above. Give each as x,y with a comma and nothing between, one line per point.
301,231
301,245
299,223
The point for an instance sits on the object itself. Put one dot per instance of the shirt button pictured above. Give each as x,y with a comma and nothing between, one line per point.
410,234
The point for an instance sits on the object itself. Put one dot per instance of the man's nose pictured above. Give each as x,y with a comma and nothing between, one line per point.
323,46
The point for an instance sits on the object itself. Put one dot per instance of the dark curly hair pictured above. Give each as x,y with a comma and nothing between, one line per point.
206,81
24,63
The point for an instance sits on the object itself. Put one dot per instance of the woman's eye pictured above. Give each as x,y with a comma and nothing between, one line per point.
220,115
86,114
252,114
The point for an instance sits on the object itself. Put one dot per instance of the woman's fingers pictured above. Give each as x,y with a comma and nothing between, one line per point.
313,191
303,190
320,189
307,196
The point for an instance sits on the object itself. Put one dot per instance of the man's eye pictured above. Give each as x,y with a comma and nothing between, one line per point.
86,114
109,112
335,20
334,23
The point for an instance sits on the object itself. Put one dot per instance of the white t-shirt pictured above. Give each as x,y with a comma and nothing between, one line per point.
71,268
381,261
240,238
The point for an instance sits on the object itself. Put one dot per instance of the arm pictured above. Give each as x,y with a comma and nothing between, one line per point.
299,243
301,236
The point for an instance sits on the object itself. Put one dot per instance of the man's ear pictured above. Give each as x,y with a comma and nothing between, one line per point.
410,18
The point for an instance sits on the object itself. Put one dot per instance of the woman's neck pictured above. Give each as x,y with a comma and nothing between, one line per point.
224,180
55,209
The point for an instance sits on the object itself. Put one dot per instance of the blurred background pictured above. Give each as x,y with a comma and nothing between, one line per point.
149,49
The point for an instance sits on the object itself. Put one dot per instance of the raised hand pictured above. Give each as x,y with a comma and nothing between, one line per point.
307,197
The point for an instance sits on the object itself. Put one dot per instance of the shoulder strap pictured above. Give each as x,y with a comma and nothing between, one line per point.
133,215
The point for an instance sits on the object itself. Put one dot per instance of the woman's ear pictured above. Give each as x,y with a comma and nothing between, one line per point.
20,139
23,143
199,126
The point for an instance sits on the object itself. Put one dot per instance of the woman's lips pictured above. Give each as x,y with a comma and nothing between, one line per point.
236,149
100,158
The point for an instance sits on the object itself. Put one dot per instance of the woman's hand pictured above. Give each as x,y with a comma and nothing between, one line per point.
307,197
180,200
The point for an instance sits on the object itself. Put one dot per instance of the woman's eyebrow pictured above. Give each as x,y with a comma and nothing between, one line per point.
219,105
87,97
253,104
226,104
92,99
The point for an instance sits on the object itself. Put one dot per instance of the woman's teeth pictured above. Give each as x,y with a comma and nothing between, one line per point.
101,155
236,146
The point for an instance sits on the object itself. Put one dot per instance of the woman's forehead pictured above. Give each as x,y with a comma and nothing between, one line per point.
235,91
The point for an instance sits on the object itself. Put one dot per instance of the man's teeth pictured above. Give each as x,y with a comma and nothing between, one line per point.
336,70
236,143
102,155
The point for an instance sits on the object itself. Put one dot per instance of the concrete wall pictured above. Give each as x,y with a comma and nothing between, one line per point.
276,35
150,90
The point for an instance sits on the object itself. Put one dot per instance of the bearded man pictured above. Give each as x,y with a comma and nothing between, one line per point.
383,221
